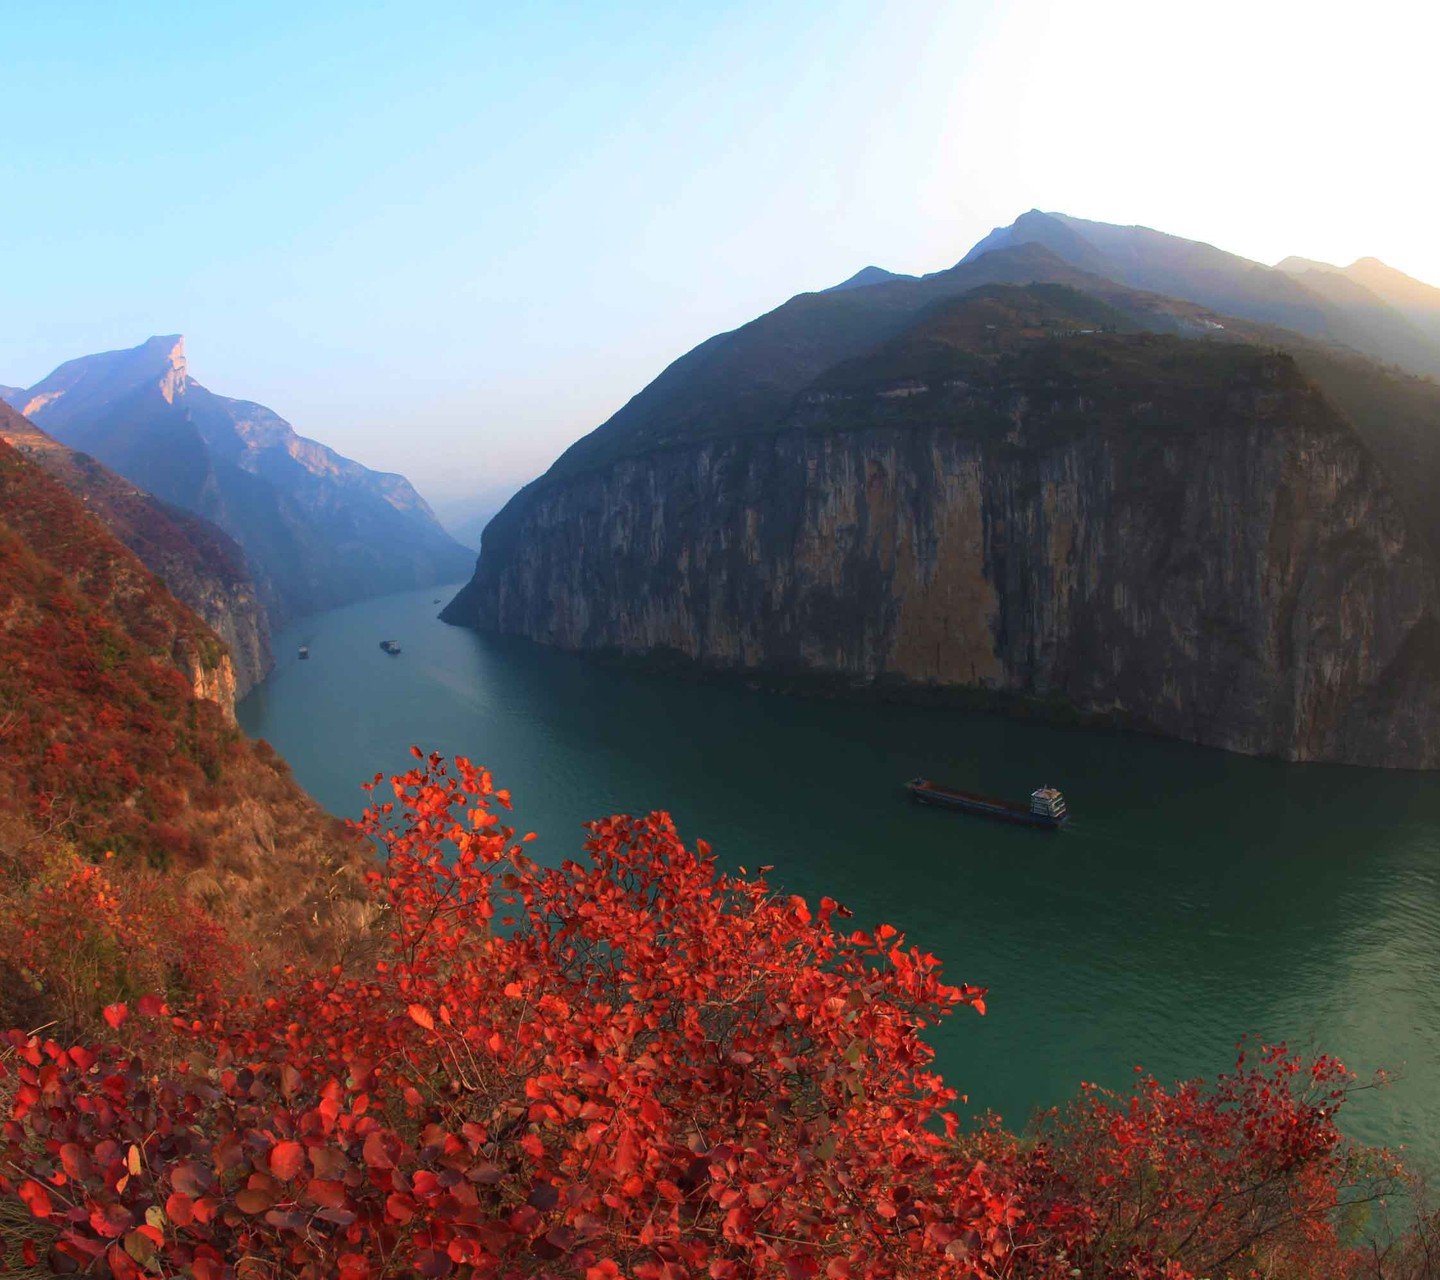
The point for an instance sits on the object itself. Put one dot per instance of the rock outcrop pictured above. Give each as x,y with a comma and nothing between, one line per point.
1179,535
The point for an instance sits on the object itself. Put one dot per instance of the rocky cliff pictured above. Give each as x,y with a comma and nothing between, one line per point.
1182,536
201,566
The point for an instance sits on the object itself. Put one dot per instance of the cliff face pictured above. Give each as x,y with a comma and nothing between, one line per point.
1189,540
201,566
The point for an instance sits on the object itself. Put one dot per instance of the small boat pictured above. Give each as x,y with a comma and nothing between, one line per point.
390,646
1046,807
304,651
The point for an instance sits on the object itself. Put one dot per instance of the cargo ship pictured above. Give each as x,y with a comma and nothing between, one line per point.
1046,807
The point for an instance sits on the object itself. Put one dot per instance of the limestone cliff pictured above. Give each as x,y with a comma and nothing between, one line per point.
1185,537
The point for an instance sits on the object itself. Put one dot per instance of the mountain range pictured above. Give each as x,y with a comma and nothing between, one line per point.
318,529
1090,467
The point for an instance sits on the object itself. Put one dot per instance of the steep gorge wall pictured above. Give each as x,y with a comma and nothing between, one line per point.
1249,584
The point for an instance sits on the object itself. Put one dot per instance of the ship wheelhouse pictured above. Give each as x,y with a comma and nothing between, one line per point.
1046,802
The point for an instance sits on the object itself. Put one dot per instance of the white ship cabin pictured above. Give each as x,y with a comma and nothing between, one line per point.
1046,802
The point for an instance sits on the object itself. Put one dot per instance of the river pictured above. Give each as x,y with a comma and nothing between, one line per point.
1196,896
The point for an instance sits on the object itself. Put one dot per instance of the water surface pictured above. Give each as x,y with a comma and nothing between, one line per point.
1196,895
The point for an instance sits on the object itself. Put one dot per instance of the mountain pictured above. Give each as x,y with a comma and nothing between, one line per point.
867,276
118,746
1417,301
1012,480
319,529
1304,300
201,566
743,379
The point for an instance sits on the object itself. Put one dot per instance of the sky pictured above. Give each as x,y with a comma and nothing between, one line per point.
449,239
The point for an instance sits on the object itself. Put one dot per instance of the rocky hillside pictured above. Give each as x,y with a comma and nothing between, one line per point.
1023,491
201,566
318,528
118,742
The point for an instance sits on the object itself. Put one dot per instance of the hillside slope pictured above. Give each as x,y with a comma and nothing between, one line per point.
201,566
319,529
117,733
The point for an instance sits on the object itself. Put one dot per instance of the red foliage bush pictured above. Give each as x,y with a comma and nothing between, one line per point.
635,1066
77,936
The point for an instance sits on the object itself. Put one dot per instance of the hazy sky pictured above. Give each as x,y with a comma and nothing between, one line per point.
449,238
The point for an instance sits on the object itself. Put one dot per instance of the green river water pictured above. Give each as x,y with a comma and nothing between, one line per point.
1196,896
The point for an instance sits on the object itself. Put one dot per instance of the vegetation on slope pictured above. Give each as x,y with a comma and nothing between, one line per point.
200,565
109,755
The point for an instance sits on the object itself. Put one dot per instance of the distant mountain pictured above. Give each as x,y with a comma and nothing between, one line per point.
867,276
1420,302
1306,301
465,517
319,529
203,567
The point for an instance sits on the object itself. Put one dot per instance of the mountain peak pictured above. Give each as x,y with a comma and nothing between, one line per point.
1294,265
158,362
867,276
1050,230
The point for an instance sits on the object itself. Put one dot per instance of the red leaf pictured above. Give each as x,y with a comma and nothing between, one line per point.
122,1266
36,1198
180,1209
252,1200
376,1156
111,1220
326,1193
286,1160
420,1015
115,1014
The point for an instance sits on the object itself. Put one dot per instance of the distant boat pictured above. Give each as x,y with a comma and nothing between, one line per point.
437,599
304,650
390,646
1046,808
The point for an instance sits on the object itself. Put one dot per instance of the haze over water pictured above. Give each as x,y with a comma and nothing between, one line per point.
1196,895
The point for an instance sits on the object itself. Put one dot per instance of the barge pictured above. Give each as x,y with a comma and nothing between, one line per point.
1046,807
